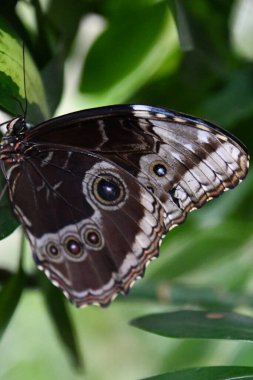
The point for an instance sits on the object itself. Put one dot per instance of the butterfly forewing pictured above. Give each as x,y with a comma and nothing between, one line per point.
200,159
96,190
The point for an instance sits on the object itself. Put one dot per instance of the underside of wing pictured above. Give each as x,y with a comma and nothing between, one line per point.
183,161
92,227
108,183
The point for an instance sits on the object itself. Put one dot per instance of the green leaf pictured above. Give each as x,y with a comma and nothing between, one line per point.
200,246
59,313
12,86
198,324
234,101
183,27
65,23
52,76
10,295
132,48
195,23
176,294
208,373
8,222
12,100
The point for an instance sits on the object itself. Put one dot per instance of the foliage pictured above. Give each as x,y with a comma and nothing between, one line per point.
173,53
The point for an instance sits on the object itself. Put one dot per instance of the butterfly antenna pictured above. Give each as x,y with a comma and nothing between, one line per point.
5,122
24,78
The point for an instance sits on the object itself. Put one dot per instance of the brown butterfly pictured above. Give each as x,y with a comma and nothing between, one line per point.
96,190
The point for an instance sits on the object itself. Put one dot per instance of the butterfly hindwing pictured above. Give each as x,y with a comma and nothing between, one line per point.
91,247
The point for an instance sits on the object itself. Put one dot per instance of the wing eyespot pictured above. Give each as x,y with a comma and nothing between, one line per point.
108,190
53,250
73,246
159,168
93,238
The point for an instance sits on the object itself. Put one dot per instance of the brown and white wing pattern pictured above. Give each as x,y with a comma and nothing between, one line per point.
97,190
92,227
192,161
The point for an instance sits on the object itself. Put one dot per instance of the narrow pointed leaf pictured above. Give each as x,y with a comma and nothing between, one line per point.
10,295
179,294
208,373
183,27
57,308
8,222
198,324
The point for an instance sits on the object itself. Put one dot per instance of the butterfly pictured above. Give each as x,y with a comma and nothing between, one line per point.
97,190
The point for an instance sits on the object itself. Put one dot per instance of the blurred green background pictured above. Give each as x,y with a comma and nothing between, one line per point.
191,56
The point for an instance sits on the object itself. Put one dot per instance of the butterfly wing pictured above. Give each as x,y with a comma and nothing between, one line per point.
184,161
103,185
92,227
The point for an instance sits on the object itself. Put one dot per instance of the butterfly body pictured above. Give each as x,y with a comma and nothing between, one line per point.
96,190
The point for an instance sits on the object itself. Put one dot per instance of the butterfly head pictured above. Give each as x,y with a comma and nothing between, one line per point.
10,145
16,127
